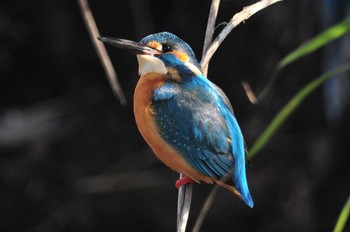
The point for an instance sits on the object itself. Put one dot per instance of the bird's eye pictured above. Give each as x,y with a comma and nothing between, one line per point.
166,48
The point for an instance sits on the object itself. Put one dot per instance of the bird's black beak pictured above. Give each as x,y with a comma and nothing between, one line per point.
135,47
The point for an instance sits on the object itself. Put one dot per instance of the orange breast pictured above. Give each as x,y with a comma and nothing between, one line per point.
149,130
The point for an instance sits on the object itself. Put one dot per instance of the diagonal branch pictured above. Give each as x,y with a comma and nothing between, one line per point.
210,30
101,50
238,18
205,208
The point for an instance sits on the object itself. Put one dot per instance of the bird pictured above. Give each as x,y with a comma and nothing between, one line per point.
185,118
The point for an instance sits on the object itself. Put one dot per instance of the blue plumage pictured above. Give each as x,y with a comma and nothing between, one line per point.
196,119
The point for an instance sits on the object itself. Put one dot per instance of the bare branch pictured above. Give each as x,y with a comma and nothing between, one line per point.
210,30
249,92
183,205
238,18
205,209
101,50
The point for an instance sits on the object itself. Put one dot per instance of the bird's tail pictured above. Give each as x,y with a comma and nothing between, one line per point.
239,158
241,183
242,187
244,195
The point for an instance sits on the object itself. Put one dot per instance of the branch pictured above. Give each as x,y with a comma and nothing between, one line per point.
183,205
210,30
101,50
238,18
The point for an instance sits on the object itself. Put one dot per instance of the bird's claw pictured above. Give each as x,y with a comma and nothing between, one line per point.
184,180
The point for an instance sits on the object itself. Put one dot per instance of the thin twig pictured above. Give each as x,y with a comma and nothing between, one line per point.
257,99
205,209
209,202
249,92
235,21
101,50
210,30
183,205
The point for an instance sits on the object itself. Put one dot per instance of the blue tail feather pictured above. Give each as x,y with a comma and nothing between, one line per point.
239,173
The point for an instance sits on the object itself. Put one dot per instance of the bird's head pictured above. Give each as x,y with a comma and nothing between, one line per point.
162,53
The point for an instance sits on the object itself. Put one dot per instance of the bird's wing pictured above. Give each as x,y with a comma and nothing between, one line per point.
224,97
229,106
193,123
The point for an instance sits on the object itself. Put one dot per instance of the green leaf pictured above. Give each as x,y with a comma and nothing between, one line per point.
343,217
291,106
320,40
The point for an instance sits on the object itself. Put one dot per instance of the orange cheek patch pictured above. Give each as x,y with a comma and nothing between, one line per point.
155,45
181,55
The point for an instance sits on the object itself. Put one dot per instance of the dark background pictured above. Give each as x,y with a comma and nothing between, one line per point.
71,158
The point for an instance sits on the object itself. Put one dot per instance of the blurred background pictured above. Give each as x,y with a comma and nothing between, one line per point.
71,158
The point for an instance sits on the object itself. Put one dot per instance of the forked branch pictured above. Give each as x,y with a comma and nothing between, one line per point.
238,18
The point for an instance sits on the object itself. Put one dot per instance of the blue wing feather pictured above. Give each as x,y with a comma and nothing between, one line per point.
193,125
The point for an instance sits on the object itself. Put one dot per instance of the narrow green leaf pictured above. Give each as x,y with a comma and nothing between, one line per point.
291,106
320,40
343,217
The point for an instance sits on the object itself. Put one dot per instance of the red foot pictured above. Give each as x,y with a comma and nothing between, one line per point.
184,180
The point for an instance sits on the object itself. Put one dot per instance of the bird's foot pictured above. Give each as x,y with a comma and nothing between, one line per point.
184,180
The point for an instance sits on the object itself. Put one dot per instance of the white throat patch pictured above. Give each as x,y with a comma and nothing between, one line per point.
150,64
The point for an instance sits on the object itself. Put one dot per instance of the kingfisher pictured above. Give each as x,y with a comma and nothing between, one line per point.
186,119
